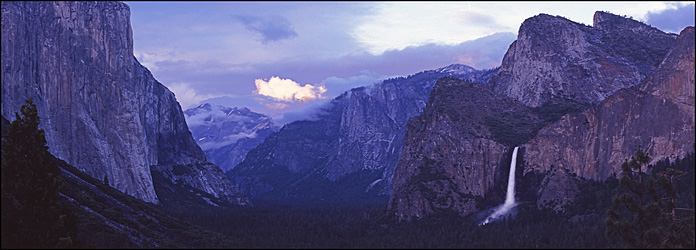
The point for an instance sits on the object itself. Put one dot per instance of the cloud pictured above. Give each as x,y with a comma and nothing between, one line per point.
188,96
333,75
399,25
307,112
202,118
219,53
288,90
230,84
276,105
207,117
216,115
337,85
227,140
482,53
480,20
271,28
672,20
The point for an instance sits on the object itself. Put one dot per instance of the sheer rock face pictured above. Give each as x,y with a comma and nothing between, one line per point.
556,58
554,61
450,153
657,115
102,111
350,149
674,79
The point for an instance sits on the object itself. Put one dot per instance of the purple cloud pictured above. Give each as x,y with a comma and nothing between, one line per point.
271,28
337,74
482,53
672,20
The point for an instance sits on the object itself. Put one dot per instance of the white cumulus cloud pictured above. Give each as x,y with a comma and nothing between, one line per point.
288,90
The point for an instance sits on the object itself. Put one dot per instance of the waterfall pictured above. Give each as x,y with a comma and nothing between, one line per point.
509,197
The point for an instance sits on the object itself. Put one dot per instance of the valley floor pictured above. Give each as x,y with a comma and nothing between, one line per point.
269,225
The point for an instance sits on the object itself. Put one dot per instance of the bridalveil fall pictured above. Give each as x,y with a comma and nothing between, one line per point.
509,197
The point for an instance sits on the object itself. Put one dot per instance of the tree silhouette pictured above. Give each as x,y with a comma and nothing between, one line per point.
643,215
31,215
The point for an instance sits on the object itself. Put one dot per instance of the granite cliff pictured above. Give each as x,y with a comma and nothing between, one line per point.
557,68
352,147
558,60
657,115
102,111
453,150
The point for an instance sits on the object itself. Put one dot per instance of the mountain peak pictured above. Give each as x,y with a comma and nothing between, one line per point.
602,16
556,58
243,110
542,18
205,106
456,69
607,21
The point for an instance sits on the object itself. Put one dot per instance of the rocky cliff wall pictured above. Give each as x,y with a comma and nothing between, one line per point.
554,68
453,150
556,59
102,111
657,115
358,137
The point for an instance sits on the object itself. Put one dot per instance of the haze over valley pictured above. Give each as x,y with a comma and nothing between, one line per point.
348,125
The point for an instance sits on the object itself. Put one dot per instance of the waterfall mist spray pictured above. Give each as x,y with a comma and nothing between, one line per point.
509,197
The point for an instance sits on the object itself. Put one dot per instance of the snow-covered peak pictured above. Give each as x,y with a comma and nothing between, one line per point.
456,69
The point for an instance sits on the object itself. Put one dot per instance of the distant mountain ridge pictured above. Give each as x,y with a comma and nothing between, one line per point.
227,134
350,151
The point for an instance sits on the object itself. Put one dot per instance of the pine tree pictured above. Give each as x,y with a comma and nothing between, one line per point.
643,213
31,215
681,228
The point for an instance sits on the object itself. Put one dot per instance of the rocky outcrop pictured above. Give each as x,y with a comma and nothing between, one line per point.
350,150
227,134
453,150
674,79
657,115
102,111
554,68
558,189
203,176
556,60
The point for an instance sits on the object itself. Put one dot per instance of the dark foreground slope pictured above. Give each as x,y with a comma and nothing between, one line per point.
107,218
96,215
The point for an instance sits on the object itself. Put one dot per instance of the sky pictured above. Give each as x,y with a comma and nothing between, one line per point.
284,58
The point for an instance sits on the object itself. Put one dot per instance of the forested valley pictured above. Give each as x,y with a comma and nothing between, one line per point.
82,212
370,225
